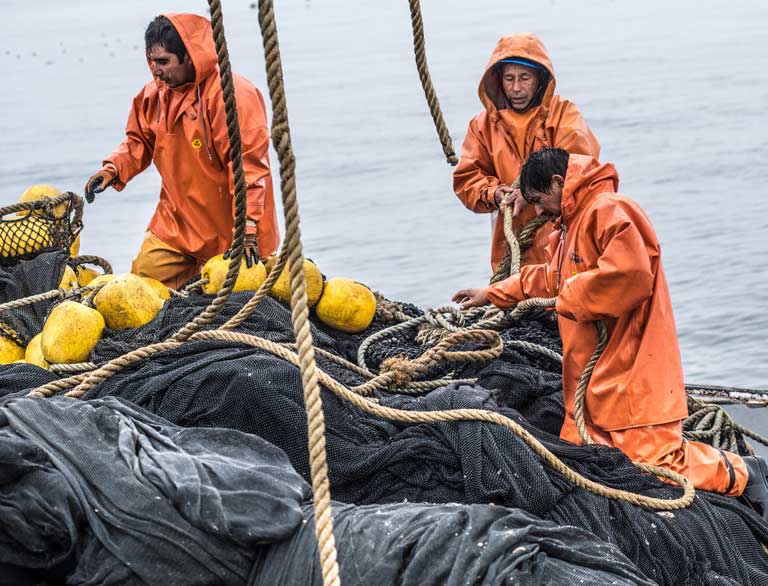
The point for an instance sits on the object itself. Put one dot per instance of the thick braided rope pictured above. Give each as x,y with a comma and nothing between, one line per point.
236,156
111,368
57,386
47,296
701,424
389,310
524,242
496,320
90,259
581,389
370,406
373,408
399,372
426,83
281,138
42,203
24,301
535,349
578,414
429,316
61,368
413,387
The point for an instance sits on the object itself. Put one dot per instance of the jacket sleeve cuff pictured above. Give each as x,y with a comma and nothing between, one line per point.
505,293
117,184
490,200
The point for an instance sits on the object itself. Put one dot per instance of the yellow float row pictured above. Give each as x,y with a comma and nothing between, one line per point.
73,329
340,303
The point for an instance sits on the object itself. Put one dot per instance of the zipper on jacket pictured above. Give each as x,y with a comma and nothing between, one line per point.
561,256
203,123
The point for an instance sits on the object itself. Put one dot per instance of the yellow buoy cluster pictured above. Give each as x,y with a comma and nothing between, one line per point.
27,234
215,271
73,328
343,304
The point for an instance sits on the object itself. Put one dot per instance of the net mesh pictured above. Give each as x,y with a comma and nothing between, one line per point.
216,384
43,225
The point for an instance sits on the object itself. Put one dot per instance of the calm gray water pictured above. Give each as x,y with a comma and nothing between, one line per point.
675,91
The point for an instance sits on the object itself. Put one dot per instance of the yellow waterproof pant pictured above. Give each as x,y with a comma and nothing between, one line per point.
161,261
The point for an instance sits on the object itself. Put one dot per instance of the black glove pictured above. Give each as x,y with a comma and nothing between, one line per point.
98,183
250,250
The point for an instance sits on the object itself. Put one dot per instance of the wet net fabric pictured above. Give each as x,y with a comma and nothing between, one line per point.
104,493
26,278
450,545
221,385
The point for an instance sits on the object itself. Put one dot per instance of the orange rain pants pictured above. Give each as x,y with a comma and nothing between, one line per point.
663,445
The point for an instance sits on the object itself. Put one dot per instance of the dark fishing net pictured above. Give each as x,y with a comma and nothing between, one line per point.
218,384
44,225
419,544
26,278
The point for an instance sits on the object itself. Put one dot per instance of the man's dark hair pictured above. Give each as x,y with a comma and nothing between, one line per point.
162,33
540,167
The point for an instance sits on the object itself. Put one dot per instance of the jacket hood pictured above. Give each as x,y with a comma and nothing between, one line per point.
196,34
525,45
584,179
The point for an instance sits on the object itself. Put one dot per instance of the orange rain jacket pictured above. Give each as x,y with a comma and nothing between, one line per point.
499,140
184,131
604,263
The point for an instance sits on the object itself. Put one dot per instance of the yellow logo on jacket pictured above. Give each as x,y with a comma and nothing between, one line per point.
196,143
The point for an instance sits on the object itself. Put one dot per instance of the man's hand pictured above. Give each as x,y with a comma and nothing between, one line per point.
98,183
507,195
250,250
470,298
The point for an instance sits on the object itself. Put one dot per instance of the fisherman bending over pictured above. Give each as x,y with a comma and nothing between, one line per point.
522,115
179,122
604,263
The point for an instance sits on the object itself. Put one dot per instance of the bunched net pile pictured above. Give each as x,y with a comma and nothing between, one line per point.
217,384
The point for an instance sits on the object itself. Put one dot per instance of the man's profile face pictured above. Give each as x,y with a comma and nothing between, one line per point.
547,204
519,84
167,68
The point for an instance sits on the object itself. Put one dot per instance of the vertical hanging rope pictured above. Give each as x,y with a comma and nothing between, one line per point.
281,138
236,156
426,83
578,414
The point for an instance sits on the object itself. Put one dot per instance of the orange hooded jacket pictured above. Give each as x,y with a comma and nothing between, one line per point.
499,140
604,264
184,131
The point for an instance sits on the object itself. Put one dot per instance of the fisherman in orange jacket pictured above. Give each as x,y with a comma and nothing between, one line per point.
521,115
604,263
179,122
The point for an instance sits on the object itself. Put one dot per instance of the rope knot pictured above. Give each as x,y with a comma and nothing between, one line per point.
400,371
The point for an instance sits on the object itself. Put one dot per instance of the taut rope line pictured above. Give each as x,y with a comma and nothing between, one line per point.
426,83
236,156
281,138
578,414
